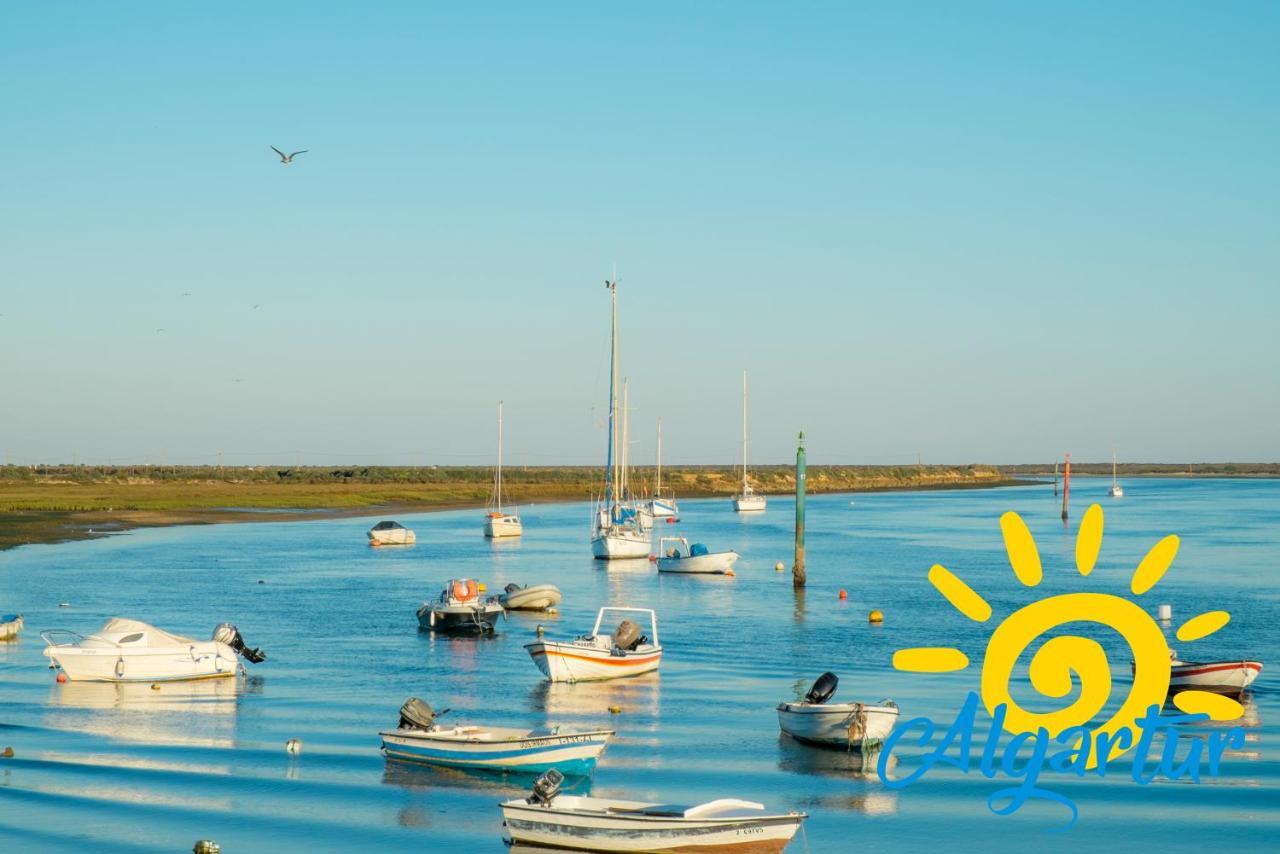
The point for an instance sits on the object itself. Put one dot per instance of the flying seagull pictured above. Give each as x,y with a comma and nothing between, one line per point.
286,159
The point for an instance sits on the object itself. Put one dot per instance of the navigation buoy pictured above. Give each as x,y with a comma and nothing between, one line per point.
843,595
778,567
876,616
206,846
480,586
615,710
1165,613
155,686
294,746
7,753
62,679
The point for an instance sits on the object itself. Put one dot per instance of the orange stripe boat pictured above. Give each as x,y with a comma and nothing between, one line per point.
625,652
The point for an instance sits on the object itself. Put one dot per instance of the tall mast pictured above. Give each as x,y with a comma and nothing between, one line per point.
498,474
744,432
1066,487
611,472
657,486
623,449
1113,466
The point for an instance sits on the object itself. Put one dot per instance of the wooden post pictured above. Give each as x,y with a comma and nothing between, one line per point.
797,570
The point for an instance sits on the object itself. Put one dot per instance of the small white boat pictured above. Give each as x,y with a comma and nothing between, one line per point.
625,652
11,626
1223,677
460,608
390,533
618,534
580,823
498,522
418,738
1116,490
534,597
676,555
662,506
851,726
133,651
748,500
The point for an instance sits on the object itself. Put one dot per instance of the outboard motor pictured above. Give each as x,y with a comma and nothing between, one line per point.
822,689
230,635
626,636
546,787
415,714
512,587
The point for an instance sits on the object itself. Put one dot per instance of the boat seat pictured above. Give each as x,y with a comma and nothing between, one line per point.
659,810
720,807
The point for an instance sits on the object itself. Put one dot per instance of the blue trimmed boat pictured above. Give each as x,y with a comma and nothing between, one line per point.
419,738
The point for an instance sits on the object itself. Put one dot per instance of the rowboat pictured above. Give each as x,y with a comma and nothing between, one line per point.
11,626
676,555
418,738
550,819
459,608
534,597
390,533
852,726
625,652
1223,677
133,651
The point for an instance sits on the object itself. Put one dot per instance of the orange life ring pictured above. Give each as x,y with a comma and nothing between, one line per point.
465,590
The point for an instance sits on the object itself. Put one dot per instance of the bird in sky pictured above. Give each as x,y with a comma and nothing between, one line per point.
187,294
256,304
159,330
286,159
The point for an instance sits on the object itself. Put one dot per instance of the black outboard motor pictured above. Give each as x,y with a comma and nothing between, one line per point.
415,714
822,689
546,787
512,587
230,635
627,636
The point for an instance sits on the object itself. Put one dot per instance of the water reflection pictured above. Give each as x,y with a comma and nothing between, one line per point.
197,713
575,700
851,765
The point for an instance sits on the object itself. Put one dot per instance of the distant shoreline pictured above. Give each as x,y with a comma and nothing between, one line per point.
52,504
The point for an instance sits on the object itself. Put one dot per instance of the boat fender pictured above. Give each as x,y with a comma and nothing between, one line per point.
120,667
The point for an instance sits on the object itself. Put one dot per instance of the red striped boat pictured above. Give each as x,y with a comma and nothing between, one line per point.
1223,677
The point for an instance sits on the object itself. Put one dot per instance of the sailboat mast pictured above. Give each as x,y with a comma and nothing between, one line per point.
611,467
1066,487
623,450
1113,467
497,475
657,484
744,433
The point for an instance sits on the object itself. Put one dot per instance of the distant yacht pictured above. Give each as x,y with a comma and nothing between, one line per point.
748,500
498,522
662,506
1116,491
616,529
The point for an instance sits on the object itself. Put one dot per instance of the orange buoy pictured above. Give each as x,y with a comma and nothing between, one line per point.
62,678
729,572
843,594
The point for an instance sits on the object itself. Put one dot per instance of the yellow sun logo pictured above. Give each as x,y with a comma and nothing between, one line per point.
1054,662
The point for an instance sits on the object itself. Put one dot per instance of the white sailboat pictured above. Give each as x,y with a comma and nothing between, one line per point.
1116,491
498,522
747,501
662,506
616,530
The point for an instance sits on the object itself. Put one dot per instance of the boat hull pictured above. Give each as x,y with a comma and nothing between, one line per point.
709,564
507,526
204,660
663,508
1223,677
570,753
749,503
538,597
458,618
1116,491
396,537
11,626
533,824
568,662
620,546
844,725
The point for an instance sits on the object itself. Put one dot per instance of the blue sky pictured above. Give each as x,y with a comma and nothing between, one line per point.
978,232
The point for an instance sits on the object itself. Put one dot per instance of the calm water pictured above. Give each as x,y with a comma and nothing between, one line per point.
142,770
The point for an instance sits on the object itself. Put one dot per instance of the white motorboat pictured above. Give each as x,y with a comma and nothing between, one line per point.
618,530
498,522
1222,677
748,500
11,626
460,608
133,651
418,738
390,533
579,823
534,597
675,554
625,652
851,726
1116,491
